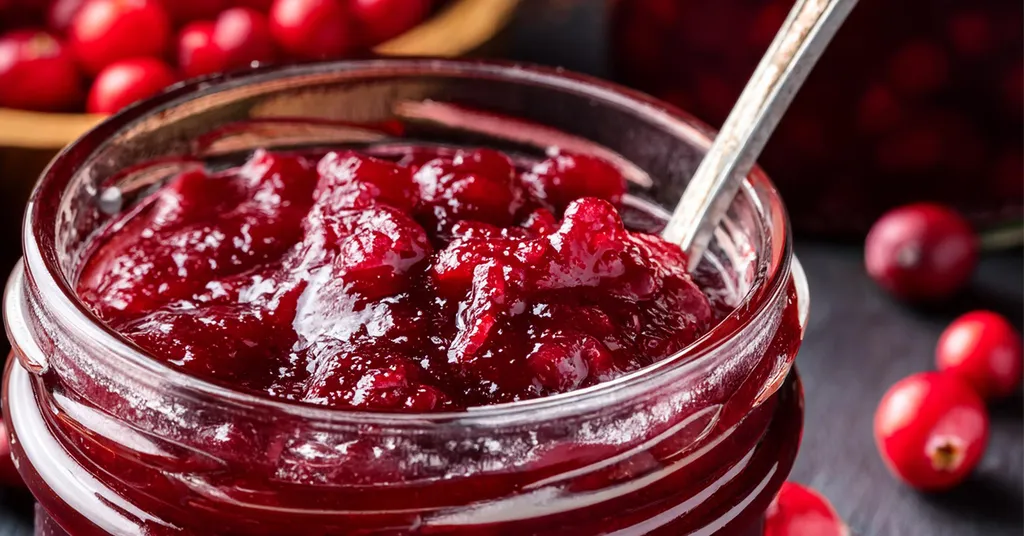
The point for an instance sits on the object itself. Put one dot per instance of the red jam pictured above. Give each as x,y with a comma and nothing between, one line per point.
446,280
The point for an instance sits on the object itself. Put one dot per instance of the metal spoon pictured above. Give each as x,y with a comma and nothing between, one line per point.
810,26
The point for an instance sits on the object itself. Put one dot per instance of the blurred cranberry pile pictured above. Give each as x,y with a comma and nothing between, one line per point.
101,55
913,99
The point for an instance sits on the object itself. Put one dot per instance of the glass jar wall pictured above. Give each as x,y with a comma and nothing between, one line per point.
112,441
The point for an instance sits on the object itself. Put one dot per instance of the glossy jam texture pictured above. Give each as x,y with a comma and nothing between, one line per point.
445,280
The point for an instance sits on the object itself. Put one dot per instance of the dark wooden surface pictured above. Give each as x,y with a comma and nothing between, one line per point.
858,343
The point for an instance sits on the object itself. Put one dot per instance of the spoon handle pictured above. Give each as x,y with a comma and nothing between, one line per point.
783,69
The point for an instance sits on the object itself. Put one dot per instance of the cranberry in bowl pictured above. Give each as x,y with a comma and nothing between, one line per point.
398,297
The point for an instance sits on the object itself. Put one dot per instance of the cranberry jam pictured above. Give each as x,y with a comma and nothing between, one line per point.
362,298
436,282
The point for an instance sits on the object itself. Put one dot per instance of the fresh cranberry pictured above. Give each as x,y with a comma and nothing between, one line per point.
61,12
197,53
801,511
128,81
564,178
982,348
36,73
184,11
243,34
380,20
8,472
931,429
311,29
921,251
105,31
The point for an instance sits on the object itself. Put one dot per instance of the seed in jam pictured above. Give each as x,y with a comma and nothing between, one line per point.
453,281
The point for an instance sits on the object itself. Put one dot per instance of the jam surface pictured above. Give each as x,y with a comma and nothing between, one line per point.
443,280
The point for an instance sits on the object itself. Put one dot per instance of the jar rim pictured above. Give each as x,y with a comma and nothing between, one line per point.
42,268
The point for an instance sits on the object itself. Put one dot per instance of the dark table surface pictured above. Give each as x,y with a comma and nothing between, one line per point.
857,344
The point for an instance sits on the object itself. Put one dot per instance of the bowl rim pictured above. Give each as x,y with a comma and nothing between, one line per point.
457,28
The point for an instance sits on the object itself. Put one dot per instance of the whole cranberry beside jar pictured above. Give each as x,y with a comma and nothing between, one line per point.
913,100
701,440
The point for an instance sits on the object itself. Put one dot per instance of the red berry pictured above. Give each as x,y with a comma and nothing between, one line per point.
61,13
197,53
8,472
921,251
183,11
128,81
801,511
564,178
37,73
311,29
105,31
931,429
380,20
983,349
243,35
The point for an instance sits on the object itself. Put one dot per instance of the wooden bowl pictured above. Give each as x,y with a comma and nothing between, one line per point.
460,27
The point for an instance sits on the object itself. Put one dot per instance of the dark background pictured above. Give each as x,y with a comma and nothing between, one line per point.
858,343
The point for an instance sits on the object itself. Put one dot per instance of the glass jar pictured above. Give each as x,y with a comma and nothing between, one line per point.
916,100
111,440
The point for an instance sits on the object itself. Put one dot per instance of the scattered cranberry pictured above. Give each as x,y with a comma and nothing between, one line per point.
197,53
801,511
311,29
105,31
982,348
8,472
921,251
37,73
61,13
380,20
931,429
243,34
128,81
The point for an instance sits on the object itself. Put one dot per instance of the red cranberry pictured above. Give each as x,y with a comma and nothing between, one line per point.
563,362
473,185
311,29
61,13
128,81
355,181
105,31
183,11
36,73
243,34
197,54
921,251
565,178
931,429
801,511
8,472
982,348
380,20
